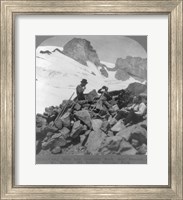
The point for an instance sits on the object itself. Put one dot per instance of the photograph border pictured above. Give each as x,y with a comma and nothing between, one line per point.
9,11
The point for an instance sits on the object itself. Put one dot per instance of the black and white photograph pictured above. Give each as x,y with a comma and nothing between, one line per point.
91,99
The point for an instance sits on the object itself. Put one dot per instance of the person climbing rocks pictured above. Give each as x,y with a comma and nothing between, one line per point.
80,90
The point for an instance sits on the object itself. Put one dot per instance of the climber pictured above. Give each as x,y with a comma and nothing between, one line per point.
134,113
80,89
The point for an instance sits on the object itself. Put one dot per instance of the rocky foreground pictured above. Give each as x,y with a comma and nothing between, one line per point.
87,128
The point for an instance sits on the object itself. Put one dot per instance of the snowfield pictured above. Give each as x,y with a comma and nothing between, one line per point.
58,75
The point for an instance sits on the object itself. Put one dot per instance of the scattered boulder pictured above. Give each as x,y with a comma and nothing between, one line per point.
65,132
82,139
110,133
142,149
49,128
110,144
59,123
56,150
105,126
56,135
61,142
40,121
46,145
87,132
126,148
94,142
77,106
117,145
91,95
49,110
137,88
49,134
77,129
96,124
138,129
66,120
84,116
118,126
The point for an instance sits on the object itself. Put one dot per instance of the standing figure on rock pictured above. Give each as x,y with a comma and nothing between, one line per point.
80,89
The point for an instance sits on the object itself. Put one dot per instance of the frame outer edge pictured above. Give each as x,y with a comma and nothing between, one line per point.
3,101
7,111
176,101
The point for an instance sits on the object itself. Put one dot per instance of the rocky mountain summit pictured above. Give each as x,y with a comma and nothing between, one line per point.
82,51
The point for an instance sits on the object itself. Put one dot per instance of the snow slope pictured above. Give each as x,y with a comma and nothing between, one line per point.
58,75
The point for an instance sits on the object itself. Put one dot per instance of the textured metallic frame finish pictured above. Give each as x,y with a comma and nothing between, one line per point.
9,10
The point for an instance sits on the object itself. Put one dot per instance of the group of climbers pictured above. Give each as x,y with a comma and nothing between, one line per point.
130,114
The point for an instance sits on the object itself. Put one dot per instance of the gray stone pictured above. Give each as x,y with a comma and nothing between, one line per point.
58,123
118,126
84,116
110,133
87,132
49,128
56,150
111,144
65,132
140,130
105,126
66,120
91,95
142,149
96,124
56,135
82,138
49,134
127,132
94,142
47,144
126,148
77,106
61,142
77,129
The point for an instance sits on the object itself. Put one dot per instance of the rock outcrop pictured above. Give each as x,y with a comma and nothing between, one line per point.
137,88
82,51
131,66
